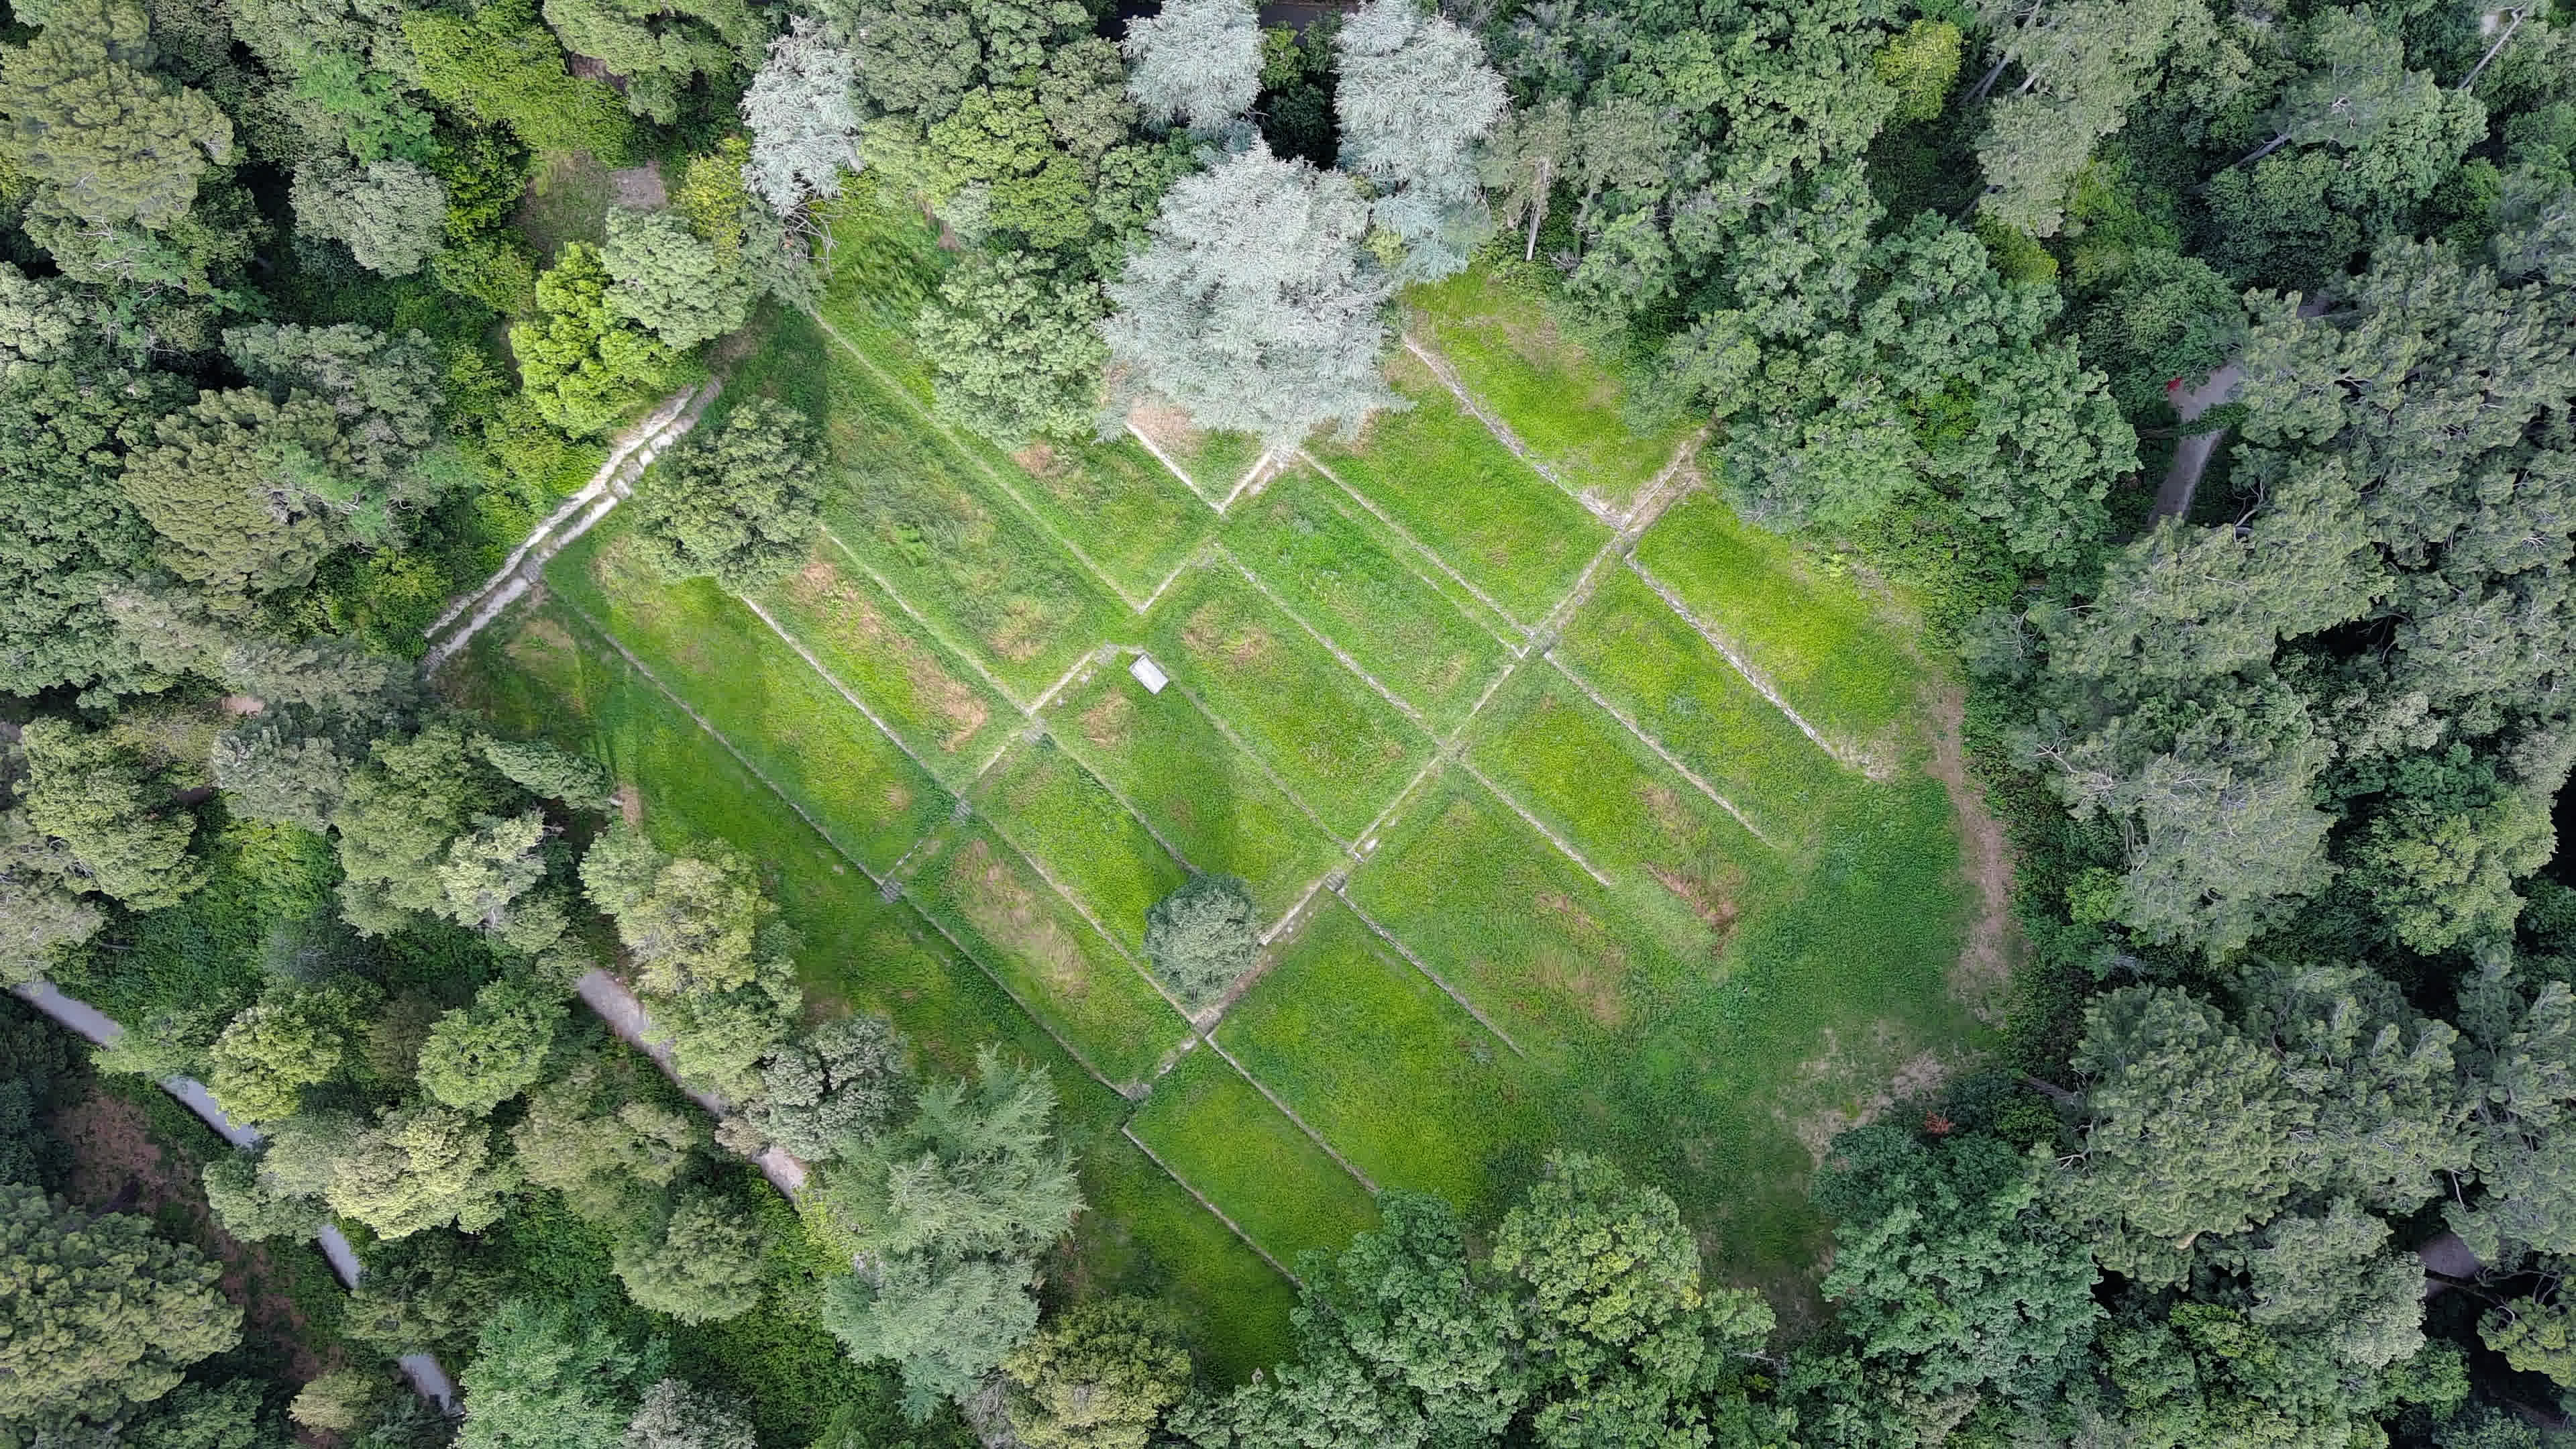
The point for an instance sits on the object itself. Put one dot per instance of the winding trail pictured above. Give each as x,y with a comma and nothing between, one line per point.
625,1015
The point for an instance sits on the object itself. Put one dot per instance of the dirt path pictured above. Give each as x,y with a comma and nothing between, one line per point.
2191,455
1983,972
625,1015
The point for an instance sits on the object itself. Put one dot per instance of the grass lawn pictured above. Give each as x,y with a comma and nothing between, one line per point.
535,675
1398,1077
1206,797
1822,642
1213,461
1046,802
791,723
1363,589
1437,471
976,884
1509,920
946,711
1344,750
1565,408
1227,1140
1129,514
1661,673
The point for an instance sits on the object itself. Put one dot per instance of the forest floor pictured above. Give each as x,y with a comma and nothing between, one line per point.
1584,815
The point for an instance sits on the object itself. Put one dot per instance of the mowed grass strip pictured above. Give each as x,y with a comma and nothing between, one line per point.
1308,543
538,674
951,542
788,720
1223,1137
1567,762
1398,1077
1046,802
1126,510
943,709
1494,330
1507,919
1657,669
974,882
1209,799
1436,470
1342,748
1819,641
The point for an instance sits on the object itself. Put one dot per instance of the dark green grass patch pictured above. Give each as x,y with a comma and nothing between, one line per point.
974,883
770,703
1230,1142
1399,1078
1820,641
1342,574
1563,406
1509,920
1436,470
536,675
1641,656
1345,751
1042,798
1206,797
946,711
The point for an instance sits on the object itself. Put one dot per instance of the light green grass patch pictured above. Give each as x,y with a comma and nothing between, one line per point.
1209,799
1214,462
1238,1149
946,711
539,673
1345,751
1341,573
972,881
1524,932
787,719
1437,471
1398,1077
951,543
1126,510
1820,641
1561,404
1043,799
1644,658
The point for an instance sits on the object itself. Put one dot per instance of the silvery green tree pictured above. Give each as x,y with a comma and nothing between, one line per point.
1196,61
1252,306
390,214
804,129
1415,97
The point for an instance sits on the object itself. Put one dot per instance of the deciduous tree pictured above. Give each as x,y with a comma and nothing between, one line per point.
1099,1377
1415,98
99,1313
1197,62
740,503
1202,937
391,214
87,117
670,281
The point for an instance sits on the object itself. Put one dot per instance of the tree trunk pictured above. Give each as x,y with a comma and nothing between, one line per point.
2493,50
2052,1091
1538,210
2268,148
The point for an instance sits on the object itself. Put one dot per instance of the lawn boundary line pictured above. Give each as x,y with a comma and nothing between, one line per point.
1253,475
1165,459
1287,1111
1114,793
1447,376
1349,848
1411,712
1841,754
904,891
846,693
991,473
1128,1132
1434,977
1560,842
1650,742
1425,549
933,630
1652,504
1403,551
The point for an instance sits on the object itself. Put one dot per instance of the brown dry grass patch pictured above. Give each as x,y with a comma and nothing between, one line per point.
1006,909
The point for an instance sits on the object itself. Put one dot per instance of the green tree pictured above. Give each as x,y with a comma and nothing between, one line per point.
549,773
339,1402
1098,1377
583,363
241,491
1203,937
111,141
425,1294
2083,63
391,214
1920,66
397,820
999,165
675,1416
691,923
1015,342
499,64
2534,1337
1443,1350
249,1209
546,1376
124,837
592,1136
659,46
479,1056
292,1038
671,281
421,1167
697,1260
97,1313
946,1324
846,1081
741,503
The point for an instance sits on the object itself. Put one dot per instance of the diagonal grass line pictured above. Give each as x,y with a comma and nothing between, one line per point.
1220,1214
1841,754
1502,431
1287,1111
933,630
1165,459
641,668
1320,637
1650,742
1424,549
1434,977
828,677
1261,764
1405,556
976,460
1564,846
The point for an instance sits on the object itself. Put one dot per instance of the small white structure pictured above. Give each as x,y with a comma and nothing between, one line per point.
1149,674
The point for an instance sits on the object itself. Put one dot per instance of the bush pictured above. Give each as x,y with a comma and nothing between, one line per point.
1203,937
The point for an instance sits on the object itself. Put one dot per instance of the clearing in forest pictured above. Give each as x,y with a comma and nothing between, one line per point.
1577,811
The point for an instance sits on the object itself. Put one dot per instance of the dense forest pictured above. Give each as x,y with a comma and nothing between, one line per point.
300,334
